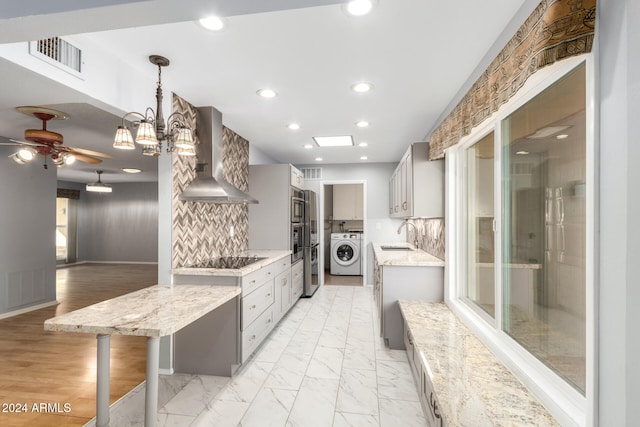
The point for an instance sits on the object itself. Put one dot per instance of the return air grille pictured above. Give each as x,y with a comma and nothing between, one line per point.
58,52
311,174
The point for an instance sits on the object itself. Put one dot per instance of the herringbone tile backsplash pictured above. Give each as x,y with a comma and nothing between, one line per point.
202,230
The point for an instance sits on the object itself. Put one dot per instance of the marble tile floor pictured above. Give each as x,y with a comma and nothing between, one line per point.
324,365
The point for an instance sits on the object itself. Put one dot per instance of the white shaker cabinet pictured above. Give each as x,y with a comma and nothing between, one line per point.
416,188
348,202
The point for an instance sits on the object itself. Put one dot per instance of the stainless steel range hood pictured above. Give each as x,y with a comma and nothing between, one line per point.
209,184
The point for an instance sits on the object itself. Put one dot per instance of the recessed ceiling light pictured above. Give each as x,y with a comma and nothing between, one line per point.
212,23
522,152
266,93
363,158
308,146
547,132
359,7
318,159
333,141
362,124
562,136
131,170
362,87
363,144
293,126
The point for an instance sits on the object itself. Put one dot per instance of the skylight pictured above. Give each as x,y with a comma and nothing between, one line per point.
334,141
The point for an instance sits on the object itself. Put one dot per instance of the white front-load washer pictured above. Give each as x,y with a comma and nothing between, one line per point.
346,251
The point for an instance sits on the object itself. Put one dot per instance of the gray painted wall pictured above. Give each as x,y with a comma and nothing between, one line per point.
121,226
27,233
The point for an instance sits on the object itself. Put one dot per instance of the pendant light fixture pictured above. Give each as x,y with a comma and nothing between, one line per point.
99,186
151,126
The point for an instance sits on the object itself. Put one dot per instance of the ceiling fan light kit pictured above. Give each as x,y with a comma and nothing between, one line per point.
99,186
151,126
48,143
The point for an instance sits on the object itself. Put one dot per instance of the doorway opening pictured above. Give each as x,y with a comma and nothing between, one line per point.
344,240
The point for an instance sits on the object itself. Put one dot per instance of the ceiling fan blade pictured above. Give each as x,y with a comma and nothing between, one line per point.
90,152
86,159
9,143
32,144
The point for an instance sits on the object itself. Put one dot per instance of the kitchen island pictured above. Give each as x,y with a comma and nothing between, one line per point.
151,312
270,286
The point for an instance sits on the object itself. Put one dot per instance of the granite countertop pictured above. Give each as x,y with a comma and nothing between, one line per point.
472,387
270,256
415,257
155,311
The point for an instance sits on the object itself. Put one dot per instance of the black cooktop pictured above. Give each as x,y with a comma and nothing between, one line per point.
229,262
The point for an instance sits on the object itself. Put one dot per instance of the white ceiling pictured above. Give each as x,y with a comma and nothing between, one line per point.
417,54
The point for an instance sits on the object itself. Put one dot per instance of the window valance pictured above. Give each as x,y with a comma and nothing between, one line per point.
557,29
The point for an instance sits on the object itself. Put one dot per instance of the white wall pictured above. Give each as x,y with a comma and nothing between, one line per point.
379,227
259,157
27,233
618,39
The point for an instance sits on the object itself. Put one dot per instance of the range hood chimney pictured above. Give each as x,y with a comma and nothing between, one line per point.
209,184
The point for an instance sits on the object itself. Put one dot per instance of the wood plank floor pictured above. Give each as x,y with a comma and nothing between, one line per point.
56,367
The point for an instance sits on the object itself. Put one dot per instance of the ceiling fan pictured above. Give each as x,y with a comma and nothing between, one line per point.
48,143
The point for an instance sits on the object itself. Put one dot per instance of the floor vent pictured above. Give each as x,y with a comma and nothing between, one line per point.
311,174
58,52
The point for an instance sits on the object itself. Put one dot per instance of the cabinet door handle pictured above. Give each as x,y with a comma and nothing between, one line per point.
268,320
409,338
396,209
269,294
404,206
252,307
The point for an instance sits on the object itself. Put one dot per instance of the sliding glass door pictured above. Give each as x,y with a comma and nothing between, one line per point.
529,275
544,226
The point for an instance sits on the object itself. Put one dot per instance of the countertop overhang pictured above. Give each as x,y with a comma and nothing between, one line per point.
269,257
414,258
155,311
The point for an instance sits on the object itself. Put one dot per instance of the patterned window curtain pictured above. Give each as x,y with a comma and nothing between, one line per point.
66,193
557,29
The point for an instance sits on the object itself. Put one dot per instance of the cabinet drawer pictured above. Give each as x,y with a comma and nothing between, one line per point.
252,281
256,302
281,265
256,332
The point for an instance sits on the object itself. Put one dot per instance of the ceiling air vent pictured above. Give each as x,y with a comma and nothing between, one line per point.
58,52
311,174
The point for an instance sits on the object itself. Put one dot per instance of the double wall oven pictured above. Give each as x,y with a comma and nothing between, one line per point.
297,224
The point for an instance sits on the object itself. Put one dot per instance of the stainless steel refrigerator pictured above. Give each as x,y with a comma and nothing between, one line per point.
310,256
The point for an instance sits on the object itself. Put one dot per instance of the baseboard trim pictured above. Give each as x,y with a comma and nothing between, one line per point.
165,371
106,262
27,309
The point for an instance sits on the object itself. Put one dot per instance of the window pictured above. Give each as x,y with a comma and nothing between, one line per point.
544,226
521,243
61,229
479,206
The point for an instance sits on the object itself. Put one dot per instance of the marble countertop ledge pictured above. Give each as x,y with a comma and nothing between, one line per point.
413,258
471,385
270,256
155,311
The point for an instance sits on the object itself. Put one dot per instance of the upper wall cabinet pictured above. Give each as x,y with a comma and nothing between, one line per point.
347,202
297,177
416,188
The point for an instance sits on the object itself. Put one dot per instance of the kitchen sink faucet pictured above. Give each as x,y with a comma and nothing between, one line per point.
407,223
